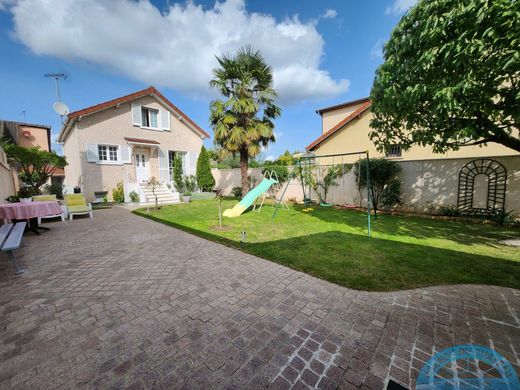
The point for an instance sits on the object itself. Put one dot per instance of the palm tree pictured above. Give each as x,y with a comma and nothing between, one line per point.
243,120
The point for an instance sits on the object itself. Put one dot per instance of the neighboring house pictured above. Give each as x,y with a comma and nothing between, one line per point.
345,129
429,179
27,135
129,139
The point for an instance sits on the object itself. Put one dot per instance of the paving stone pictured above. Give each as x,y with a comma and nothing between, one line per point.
310,377
125,301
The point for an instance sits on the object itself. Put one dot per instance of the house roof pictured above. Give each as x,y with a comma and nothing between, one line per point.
349,118
142,141
9,129
128,98
342,105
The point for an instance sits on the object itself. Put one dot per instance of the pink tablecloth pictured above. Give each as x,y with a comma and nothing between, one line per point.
29,210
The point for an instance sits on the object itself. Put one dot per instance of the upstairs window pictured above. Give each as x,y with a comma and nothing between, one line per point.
394,151
150,117
107,153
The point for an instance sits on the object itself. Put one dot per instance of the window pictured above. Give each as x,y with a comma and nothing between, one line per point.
150,118
394,151
108,153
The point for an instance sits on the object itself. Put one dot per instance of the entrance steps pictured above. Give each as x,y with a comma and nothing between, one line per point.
164,195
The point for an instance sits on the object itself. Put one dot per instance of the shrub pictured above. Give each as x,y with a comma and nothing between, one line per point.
386,187
118,193
55,189
237,191
252,181
502,218
450,211
205,179
134,196
281,171
177,173
190,184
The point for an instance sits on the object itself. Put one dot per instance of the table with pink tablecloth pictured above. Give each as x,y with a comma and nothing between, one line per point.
29,210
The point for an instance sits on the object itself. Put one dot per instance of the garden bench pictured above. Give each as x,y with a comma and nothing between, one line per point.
10,240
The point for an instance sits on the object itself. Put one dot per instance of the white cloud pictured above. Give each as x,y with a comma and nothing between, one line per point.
329,14
400,6
270,158
176,47
376,53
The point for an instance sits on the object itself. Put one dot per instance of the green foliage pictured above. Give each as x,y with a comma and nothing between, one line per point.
177,173
450,211
26,192
252,181
12,199
134,196
243,121
237,191
55,189
35,166
281,171
205,179
450,77
503,218
190,184
285,159
118,193
319,178
386,187
332,173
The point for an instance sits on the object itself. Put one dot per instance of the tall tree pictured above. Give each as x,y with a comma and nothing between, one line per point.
451,77
205,178
34,166
243,120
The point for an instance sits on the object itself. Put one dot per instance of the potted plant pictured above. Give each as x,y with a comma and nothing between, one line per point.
134,197
190,183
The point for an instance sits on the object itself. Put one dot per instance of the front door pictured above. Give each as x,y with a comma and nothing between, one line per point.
141,166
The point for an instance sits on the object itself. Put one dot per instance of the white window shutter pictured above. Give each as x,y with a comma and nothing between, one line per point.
92,153
193,162
165,119
164,168
185,162
136,115
126,154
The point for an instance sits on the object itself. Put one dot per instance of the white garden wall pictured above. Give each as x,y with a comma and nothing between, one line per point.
424,183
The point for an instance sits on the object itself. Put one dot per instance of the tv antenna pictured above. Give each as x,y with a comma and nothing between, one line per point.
59,107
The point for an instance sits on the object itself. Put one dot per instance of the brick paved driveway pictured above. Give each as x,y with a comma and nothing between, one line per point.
120,301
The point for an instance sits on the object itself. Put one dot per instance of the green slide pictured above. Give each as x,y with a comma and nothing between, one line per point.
250,198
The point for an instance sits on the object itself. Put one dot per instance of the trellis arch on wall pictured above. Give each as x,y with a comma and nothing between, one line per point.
496,192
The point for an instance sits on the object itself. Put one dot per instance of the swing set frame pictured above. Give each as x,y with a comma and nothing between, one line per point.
305,161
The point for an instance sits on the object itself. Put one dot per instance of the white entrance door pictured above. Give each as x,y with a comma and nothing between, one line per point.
141,167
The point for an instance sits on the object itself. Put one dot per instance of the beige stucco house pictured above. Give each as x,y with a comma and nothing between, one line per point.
129,139
428,179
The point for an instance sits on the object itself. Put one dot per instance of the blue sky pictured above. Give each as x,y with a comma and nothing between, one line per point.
322,53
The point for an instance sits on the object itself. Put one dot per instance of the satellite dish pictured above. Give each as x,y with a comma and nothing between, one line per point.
61,108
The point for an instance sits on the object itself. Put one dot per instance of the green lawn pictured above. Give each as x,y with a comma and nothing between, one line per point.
332,244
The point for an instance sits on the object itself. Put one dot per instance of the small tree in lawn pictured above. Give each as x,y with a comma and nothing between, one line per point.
451,77
178,180
153,184
219,196
205,179
35,166
386,187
